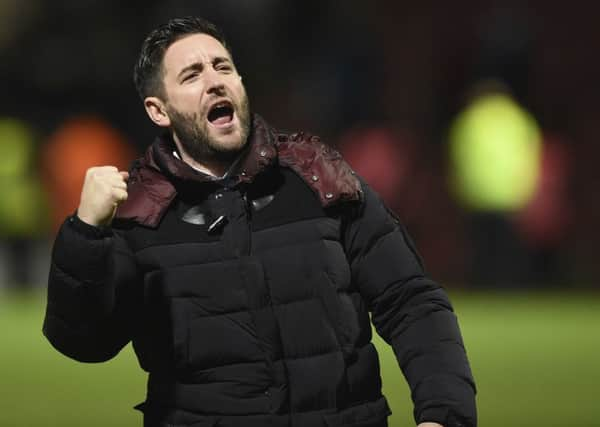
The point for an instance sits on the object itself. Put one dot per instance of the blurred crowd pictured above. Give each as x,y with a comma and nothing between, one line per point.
476,123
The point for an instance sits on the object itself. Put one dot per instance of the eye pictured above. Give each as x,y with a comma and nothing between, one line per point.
224,67
189,77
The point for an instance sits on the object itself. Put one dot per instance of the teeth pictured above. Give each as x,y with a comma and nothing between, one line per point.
222,104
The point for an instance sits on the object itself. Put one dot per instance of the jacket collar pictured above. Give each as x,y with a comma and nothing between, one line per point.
256,156
154,177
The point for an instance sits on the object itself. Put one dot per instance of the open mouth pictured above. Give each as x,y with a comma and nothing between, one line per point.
221,113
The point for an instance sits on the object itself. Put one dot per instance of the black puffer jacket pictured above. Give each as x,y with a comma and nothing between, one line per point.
247,299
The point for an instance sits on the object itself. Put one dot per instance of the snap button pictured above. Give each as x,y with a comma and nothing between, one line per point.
315,178
328,195
263,153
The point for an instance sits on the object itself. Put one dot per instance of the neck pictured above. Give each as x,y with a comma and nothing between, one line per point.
214,168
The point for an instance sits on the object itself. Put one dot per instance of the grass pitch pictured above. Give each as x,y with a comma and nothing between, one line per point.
535,357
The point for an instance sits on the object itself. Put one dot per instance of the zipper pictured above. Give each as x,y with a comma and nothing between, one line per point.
248,210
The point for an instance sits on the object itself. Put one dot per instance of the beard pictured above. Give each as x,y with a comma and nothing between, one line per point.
192,132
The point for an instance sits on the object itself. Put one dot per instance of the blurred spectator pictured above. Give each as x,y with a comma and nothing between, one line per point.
495,160
544,221
80,143
383,157
23,209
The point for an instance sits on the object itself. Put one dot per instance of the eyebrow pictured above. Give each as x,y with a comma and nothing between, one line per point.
220,59
194,66
200,65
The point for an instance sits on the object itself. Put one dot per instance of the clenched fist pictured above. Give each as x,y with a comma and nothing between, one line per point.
103,190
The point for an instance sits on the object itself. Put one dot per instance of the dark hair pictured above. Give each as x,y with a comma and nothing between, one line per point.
148,71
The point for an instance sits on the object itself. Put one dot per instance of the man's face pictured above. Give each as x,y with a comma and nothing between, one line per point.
205,98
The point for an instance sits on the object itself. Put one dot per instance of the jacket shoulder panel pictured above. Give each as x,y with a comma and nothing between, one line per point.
149,196
320,166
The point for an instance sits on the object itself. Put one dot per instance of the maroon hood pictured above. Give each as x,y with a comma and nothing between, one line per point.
153,177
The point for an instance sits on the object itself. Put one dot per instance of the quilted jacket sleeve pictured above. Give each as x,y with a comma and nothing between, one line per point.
412,314
90,292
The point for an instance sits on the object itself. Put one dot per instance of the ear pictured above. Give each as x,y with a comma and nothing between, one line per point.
157,111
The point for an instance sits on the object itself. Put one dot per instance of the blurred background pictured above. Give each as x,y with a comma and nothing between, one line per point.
477,122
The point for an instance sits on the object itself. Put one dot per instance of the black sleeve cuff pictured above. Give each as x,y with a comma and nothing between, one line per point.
87,230
446,418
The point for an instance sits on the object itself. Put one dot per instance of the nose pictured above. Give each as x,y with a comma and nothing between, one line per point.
214,83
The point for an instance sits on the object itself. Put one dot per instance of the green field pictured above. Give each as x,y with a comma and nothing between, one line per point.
535,357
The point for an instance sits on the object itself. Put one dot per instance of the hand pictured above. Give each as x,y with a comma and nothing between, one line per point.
430,425
103,190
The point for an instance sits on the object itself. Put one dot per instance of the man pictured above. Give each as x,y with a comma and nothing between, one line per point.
243,264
